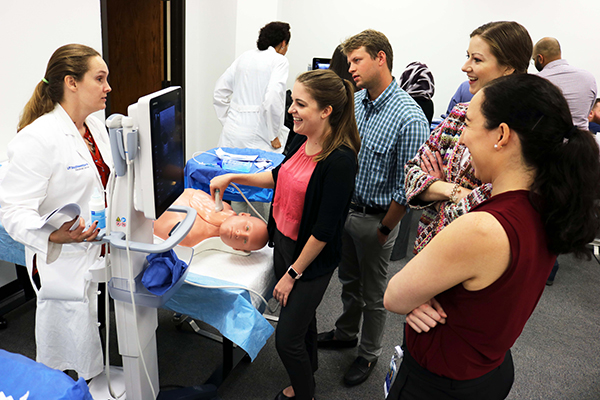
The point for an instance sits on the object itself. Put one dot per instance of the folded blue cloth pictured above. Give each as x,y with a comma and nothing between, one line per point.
25,378
164,270
10,250
230,311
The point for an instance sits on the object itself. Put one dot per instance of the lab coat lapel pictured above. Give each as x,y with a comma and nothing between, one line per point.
101,138
79,144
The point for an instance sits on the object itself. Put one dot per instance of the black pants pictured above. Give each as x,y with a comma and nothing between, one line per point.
296,333
415,382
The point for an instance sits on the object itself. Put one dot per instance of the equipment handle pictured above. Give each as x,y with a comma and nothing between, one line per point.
117,240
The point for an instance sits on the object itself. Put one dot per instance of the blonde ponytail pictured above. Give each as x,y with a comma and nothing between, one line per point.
70,59
39,104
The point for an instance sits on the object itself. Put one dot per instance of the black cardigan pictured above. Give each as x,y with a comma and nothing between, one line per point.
325,209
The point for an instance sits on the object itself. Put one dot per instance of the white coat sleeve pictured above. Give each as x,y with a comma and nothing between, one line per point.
273,105
223,91
22,191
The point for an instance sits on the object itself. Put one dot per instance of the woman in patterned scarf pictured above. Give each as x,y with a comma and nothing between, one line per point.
417,81
439,179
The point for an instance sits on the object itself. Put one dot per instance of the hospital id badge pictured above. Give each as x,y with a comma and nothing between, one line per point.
393,370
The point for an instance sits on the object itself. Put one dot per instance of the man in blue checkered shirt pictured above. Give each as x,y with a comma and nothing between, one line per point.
392,127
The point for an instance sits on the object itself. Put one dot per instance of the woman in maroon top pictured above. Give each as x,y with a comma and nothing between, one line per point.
545,175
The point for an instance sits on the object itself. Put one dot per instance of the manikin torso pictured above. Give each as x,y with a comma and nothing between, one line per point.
207,220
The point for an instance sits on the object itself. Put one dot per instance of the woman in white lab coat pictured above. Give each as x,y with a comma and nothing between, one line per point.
61,155
249,97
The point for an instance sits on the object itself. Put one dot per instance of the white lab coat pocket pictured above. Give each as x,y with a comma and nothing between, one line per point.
66,278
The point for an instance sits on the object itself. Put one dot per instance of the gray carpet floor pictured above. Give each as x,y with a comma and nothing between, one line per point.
556,357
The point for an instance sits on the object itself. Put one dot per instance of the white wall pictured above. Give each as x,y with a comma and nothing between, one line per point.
216,33
30,31
435,32
210,47
251,16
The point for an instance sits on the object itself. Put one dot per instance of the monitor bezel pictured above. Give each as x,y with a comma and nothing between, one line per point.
146,179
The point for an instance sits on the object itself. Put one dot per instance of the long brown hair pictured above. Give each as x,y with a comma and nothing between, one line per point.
340,65
328,89
70,59
566,187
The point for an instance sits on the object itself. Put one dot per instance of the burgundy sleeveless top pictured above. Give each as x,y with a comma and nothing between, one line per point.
482,325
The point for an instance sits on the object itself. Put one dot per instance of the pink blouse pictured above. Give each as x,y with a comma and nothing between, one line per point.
288,201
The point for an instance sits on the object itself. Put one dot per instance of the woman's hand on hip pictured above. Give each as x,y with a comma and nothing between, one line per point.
65,234
283,288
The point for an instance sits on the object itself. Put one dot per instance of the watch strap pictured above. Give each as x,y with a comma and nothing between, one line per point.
293,273
383,229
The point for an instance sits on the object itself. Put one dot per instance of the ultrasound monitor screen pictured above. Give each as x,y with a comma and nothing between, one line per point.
321,63
168,149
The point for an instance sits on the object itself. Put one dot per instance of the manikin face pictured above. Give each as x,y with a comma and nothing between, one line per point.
244,232
363,68
94,87
482,66
479,140
309,119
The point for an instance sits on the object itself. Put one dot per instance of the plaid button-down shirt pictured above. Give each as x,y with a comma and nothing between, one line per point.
392,128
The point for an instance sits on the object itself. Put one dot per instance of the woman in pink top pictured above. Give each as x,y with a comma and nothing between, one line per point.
313,187
545,176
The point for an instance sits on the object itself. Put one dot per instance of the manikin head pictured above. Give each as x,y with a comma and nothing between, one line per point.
244,232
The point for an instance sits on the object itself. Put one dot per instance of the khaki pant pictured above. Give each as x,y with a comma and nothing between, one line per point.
363,274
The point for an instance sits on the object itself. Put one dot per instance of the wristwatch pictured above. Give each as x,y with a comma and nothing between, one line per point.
383,229
292,272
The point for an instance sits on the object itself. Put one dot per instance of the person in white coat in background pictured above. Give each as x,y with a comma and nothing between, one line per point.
61,155
249,97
